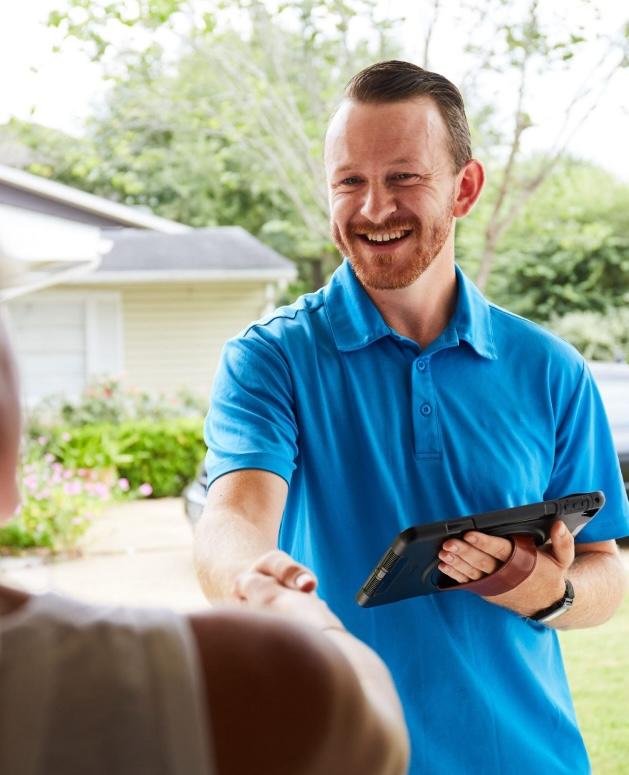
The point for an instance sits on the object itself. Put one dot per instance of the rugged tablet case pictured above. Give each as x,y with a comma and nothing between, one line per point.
409,567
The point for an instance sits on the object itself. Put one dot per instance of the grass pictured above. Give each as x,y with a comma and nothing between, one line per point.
597,662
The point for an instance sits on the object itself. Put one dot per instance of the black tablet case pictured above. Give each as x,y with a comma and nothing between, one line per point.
409,567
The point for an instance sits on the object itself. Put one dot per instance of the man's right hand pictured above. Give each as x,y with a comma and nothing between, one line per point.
277,583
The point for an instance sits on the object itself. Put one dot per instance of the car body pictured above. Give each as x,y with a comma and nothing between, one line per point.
612,380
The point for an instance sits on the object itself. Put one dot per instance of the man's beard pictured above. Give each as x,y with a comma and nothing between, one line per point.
383,271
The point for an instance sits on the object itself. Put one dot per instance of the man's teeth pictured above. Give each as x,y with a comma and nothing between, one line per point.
386,237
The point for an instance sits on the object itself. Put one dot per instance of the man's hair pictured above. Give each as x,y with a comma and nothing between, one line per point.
396,81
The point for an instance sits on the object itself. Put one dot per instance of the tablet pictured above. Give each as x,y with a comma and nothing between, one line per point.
409,566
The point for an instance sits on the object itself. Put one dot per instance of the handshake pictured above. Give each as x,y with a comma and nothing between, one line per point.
280,585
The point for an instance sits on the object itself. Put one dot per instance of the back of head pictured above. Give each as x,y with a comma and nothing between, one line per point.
397,81
9,413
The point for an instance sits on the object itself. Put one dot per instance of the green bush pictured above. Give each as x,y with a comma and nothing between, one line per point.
598,337
158,457
58,505
107,400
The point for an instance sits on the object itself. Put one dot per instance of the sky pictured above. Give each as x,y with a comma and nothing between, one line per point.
61,89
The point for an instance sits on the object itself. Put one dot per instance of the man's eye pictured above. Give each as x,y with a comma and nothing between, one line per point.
350,181
403,176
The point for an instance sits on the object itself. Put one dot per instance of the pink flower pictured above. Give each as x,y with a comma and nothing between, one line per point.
49,457
66,436
123,484
30,482
72,488
42,440
145,489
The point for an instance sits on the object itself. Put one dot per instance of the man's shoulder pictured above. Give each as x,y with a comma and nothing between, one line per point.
278,323
525,337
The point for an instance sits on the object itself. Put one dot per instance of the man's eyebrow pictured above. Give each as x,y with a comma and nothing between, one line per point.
346,167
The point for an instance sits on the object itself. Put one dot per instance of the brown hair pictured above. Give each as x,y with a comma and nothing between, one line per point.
396,81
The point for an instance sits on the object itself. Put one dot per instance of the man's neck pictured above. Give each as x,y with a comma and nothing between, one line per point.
422,310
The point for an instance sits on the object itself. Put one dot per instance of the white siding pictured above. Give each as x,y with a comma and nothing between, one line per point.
63,338
173,333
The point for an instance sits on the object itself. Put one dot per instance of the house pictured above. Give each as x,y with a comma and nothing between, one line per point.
154,309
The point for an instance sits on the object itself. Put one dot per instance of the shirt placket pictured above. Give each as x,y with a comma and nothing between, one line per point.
426,430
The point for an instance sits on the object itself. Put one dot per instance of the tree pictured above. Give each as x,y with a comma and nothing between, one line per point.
231,130
517,46
568,250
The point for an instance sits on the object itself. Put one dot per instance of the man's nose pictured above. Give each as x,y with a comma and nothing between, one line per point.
379,204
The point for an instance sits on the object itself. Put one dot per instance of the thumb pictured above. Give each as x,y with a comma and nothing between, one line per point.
563,544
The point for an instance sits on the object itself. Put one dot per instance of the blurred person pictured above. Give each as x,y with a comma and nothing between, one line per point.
398,395
120,691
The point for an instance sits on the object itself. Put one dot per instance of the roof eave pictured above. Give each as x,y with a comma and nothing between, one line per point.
131,277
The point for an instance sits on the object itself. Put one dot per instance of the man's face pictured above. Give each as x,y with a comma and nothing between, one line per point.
391,185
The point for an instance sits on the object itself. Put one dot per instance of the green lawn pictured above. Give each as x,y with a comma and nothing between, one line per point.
597,661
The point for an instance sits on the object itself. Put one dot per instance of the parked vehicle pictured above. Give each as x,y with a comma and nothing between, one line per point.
611,378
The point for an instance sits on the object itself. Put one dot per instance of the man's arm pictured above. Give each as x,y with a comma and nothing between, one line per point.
595,570
240,523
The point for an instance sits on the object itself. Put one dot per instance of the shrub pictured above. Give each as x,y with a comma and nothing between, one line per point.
598,337
57,507
163,454
107,400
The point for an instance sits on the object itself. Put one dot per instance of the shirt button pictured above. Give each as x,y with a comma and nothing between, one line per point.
426,409
421,365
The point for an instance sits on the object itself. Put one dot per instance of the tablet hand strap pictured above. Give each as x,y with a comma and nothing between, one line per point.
518,567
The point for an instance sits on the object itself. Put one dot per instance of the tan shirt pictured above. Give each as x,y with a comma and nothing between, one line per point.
92,690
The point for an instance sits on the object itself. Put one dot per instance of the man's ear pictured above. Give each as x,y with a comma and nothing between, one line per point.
469,184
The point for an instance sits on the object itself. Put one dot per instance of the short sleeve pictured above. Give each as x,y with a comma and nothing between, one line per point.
251,419
586,459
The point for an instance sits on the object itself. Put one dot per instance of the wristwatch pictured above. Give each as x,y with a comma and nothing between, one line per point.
556,609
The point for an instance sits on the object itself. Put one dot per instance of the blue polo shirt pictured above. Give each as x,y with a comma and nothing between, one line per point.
374,434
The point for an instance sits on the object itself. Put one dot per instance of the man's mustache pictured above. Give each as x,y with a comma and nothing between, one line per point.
391,224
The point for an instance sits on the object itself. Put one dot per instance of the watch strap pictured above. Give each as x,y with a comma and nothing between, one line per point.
556,609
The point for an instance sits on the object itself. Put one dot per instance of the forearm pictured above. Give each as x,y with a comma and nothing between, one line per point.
599,581
388,738
226,543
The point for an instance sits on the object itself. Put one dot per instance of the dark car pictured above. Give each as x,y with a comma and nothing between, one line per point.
611,378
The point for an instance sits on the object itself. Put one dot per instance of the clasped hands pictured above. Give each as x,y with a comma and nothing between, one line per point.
279,584
478,555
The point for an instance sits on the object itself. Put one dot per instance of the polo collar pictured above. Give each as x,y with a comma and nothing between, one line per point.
356,322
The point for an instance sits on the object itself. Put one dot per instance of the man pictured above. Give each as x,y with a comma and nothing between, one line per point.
398,395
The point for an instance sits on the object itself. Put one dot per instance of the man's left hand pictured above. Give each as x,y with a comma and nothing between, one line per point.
478,555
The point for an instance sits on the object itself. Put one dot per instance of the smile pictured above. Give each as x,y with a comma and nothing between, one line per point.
384,237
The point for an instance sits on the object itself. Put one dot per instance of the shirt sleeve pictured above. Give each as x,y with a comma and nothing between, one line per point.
251,419
586,459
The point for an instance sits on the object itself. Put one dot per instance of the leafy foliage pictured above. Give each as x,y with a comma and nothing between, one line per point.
108,400
569,250
164,454
598,336
58,505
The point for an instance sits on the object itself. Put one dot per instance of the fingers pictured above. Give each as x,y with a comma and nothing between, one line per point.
286,570
476,556
562,544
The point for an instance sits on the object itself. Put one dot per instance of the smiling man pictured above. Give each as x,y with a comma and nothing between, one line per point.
398,395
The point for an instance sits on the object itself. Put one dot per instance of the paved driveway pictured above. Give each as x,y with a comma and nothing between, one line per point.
137,553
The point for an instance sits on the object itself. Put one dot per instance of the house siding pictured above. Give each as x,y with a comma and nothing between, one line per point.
173,333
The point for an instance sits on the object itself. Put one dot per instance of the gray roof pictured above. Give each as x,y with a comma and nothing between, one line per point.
224,250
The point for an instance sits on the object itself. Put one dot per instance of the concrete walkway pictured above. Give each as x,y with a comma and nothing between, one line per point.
136,553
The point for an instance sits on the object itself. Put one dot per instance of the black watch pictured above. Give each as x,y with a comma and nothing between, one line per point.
556,609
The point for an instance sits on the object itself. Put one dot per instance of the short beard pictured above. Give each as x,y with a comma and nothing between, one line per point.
381,272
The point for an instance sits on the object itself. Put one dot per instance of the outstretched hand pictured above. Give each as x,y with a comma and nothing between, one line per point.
478,555
277,583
